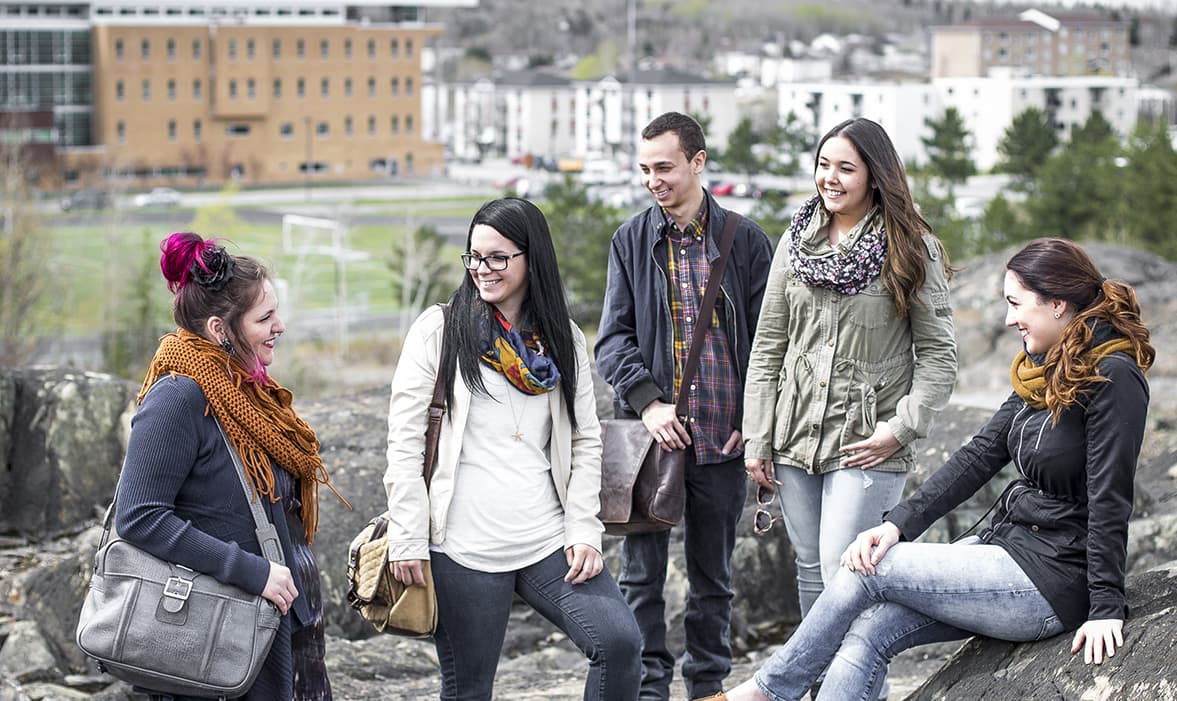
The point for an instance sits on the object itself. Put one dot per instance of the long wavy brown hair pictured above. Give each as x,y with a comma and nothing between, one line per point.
904,269
1058,269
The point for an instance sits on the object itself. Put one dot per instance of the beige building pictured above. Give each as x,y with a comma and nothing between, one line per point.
292,91
1033,43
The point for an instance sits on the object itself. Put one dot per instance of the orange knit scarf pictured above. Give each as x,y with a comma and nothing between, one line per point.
1029,380
259,419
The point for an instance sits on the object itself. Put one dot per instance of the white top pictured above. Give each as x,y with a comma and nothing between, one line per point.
505,513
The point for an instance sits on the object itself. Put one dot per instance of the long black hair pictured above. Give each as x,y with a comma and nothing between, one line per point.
544,309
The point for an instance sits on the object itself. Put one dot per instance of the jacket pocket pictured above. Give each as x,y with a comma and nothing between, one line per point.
786,399
872,308
861,413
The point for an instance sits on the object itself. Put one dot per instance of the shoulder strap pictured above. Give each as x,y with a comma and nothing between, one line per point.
436,407
267,534
703,321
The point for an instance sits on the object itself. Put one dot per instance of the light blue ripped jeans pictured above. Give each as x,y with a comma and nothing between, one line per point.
921,593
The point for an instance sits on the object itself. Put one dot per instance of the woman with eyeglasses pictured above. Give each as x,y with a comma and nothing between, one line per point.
854,353
1054,556
512,506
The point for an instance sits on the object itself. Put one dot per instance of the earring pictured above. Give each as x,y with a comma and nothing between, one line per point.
1058,315
227,345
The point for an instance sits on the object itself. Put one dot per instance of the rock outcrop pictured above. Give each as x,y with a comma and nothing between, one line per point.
1047,671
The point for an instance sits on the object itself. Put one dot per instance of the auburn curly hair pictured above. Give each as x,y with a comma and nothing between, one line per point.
1058,269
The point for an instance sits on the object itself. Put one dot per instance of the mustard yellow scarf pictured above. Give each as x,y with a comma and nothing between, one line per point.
1029,380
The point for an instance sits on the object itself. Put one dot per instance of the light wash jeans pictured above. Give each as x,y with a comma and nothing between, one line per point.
472,612
921,593
824,513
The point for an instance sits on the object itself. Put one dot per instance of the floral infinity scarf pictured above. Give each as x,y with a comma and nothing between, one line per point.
519,355
847,270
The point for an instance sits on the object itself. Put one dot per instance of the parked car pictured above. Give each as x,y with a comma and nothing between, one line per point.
158,197
85,199
723,189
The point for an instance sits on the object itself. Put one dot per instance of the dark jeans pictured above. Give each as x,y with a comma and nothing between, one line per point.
472,612
715,499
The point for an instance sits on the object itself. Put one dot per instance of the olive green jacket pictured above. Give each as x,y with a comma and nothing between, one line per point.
827,367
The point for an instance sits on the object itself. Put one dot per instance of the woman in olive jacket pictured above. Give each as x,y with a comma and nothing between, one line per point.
854,352
1053,559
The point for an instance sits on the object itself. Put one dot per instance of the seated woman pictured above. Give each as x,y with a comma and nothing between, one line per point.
1053,558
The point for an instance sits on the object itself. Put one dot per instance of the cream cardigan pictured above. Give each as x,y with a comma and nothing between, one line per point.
418,519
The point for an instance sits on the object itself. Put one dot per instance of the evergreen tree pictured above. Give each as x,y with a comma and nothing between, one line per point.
581,230
1027,143
1150,190
1078,188
948,148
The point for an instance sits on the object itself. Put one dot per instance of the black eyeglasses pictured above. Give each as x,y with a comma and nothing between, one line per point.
762,520
497,261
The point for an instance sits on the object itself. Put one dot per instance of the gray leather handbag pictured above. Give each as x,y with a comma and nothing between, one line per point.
170,629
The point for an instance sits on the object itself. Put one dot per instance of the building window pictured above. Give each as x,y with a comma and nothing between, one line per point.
232,49
251,88
371,48
121,131
171,130
396,86
409,48
118,49
301,48
347,87
371,87
277,48
323,49
347,125
197,130
250,49
277,88
145,48
171,90
197,48
237,130
302,87
408,86
171,49
119,90
324,87
408,124
286,130
322,130
394,47
146,90
396,124
371,125
196,89
232,89
347,48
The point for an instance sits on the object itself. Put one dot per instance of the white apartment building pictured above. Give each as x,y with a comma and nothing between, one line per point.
988,106
900,107
542,114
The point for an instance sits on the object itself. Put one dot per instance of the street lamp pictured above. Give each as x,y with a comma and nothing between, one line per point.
307,164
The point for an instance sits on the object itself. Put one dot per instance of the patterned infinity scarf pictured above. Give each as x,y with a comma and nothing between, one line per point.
1029,379
519,356
849,268
258,418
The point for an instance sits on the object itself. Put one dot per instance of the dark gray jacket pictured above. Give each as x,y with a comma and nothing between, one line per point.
635,341
1065,521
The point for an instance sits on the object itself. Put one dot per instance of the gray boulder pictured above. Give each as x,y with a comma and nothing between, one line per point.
66,436
1142,669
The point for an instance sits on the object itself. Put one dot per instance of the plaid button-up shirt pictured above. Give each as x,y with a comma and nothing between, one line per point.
714,390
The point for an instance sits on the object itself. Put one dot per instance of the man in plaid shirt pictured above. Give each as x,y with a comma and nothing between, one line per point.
659,264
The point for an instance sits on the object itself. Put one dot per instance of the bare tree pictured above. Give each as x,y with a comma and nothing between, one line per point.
421,273
22,258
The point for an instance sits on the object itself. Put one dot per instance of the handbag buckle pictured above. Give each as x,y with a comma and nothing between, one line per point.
177,588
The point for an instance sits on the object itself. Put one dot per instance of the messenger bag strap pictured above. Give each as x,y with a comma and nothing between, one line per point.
436,406
703,320
267,534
